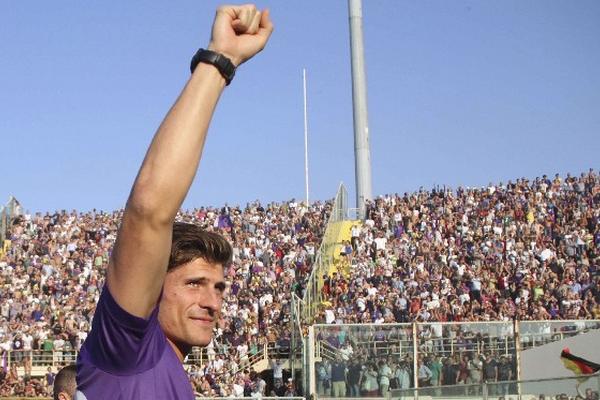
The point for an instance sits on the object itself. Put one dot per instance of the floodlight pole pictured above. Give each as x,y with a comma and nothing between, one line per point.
362,153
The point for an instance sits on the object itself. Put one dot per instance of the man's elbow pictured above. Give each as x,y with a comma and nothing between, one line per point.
147,207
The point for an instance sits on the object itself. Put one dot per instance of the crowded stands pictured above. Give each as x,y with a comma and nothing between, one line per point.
517,251
524,250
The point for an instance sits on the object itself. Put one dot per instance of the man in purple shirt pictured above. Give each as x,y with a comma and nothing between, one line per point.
165,282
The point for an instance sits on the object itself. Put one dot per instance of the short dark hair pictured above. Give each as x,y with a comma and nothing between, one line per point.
65,382
190,242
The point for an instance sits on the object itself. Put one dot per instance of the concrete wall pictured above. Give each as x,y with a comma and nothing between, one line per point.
544,362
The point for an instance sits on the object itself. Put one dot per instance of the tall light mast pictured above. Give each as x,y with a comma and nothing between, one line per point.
362,152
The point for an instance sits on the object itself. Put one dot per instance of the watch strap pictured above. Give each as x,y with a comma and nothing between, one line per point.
222,63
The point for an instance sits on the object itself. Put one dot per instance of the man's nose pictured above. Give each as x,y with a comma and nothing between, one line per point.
212,301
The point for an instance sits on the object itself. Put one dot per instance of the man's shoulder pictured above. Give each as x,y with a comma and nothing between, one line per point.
120,342
149,381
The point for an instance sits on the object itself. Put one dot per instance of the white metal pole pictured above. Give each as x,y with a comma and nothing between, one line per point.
312,376
305,136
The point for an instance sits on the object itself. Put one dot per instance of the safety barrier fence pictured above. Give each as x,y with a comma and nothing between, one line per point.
201,357
25,398
407,344
246,398
554,388
412,345
197,397
550,389
40,360
393,339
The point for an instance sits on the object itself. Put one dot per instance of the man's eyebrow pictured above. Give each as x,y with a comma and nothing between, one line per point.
196,280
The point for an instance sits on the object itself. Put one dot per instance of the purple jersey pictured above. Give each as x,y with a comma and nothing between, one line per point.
127,357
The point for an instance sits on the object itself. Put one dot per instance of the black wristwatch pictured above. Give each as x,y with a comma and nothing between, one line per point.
222,63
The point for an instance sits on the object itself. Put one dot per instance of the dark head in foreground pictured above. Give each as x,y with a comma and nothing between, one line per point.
65,383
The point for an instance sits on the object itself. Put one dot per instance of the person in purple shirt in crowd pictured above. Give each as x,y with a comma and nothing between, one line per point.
165,283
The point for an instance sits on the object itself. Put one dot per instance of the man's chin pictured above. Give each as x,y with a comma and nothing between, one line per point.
202,338
202,342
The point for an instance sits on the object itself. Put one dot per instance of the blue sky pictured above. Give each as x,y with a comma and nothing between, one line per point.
459,93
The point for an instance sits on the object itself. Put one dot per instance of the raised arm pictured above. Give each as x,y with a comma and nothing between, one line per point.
138,264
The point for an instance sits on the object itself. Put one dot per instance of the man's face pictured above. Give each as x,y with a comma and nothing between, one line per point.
191,303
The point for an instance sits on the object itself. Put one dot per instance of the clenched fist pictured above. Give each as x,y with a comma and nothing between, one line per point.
239,32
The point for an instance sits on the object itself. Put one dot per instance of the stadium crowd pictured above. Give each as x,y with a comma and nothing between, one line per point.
53,272
522,250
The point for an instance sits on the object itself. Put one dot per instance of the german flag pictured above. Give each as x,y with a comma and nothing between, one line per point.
578,365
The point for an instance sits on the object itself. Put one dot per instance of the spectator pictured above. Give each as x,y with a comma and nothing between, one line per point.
369,384
50,378
403,375
435,366
490,369
338,377
385,373
323,370
424,374
353,377
504,374
65,384
475,367
277,367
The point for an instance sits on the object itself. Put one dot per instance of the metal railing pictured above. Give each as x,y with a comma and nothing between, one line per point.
246,398
313,293
494,336
198,356
554,388
25,398
38,358
201,356
536,333
353,213
412,344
